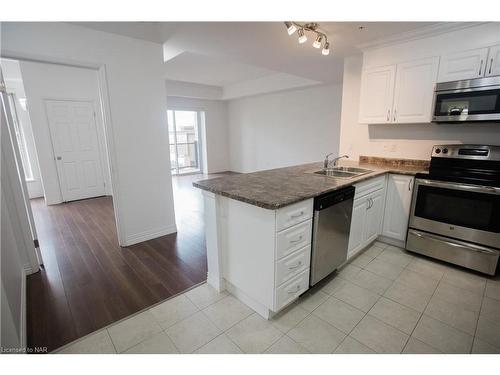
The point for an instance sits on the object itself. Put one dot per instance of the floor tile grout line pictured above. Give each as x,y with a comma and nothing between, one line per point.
112,342
478,316
298,343
420,318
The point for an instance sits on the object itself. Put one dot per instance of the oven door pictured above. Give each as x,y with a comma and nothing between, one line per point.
466,212
474,104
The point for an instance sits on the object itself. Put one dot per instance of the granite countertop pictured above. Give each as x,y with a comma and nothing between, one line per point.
276,188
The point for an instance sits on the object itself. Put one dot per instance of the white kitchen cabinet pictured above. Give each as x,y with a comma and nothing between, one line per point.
397,206
414,91
374,215
367,214
463,65
493,64
398,94
377,94
358,225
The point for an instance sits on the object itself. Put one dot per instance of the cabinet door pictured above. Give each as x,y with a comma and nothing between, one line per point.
374,216
358,223
493,65
377,93
463,65
397,206
414,91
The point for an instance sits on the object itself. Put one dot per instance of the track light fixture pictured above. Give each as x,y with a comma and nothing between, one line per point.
320,40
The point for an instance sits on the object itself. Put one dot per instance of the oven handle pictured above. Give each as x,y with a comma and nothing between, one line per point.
455,186
462,245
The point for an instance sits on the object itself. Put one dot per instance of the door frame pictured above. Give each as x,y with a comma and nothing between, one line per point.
201,135
52,138
102,86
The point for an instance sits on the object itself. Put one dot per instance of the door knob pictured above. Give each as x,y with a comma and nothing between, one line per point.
58,158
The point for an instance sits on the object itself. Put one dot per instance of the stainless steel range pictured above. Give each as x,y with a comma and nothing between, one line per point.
455,211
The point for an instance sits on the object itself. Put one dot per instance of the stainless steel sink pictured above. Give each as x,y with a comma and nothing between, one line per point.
343,172
352,169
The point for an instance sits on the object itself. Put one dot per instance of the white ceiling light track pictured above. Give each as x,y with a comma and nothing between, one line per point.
320,40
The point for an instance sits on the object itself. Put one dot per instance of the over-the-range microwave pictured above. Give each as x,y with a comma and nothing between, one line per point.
467,100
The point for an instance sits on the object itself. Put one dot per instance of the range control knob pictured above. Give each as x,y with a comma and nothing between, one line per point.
438,150
445,150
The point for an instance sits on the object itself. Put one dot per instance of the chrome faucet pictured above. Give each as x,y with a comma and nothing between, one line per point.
326,163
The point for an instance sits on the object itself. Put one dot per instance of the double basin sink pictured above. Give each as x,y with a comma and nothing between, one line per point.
343,172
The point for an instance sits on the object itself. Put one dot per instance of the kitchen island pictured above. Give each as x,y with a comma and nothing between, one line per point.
258,226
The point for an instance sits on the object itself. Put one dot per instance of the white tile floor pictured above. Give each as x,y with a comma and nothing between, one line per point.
385,301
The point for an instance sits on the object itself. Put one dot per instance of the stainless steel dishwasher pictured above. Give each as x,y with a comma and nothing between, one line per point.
331,227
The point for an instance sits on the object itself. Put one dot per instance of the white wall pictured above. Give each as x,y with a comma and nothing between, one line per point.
136,94
14,83
58,82
413,141
283,129
215,137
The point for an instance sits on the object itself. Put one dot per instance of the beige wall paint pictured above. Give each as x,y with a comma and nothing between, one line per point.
413,141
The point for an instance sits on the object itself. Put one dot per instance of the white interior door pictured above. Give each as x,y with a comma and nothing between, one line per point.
76,148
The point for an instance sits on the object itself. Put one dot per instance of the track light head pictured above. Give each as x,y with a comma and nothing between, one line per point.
319,40
290,27
326,49
302,36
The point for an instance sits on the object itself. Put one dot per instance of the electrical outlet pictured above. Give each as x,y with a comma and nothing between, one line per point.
394,148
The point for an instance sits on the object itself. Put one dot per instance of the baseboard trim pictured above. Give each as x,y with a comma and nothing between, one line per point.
23,330
215,282
260,309
149,235
391,241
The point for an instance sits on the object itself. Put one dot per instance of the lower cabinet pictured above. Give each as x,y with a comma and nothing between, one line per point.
397,207
374,215
367,214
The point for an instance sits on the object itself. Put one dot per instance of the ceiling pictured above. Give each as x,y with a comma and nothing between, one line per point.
211,70
225,53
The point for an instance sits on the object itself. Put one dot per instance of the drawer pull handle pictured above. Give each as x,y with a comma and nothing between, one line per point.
297,240
294,216
295,266
294,291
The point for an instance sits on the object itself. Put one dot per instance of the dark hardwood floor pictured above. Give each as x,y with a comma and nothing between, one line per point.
89,281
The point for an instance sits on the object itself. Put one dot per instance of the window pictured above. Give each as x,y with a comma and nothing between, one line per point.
184,139
20,135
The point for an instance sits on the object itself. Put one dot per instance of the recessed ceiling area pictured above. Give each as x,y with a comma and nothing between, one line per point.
227,53
211,70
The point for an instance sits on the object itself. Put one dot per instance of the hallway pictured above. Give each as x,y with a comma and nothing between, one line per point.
89,281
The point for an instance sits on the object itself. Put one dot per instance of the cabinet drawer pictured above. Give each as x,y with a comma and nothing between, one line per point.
291,290
369,186
292,265
293,239
293,214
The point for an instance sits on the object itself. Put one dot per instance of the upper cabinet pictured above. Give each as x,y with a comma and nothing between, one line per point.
414,91
463,65
377,94
493,65
474,63
398,94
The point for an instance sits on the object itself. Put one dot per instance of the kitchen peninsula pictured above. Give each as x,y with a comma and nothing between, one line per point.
259,225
